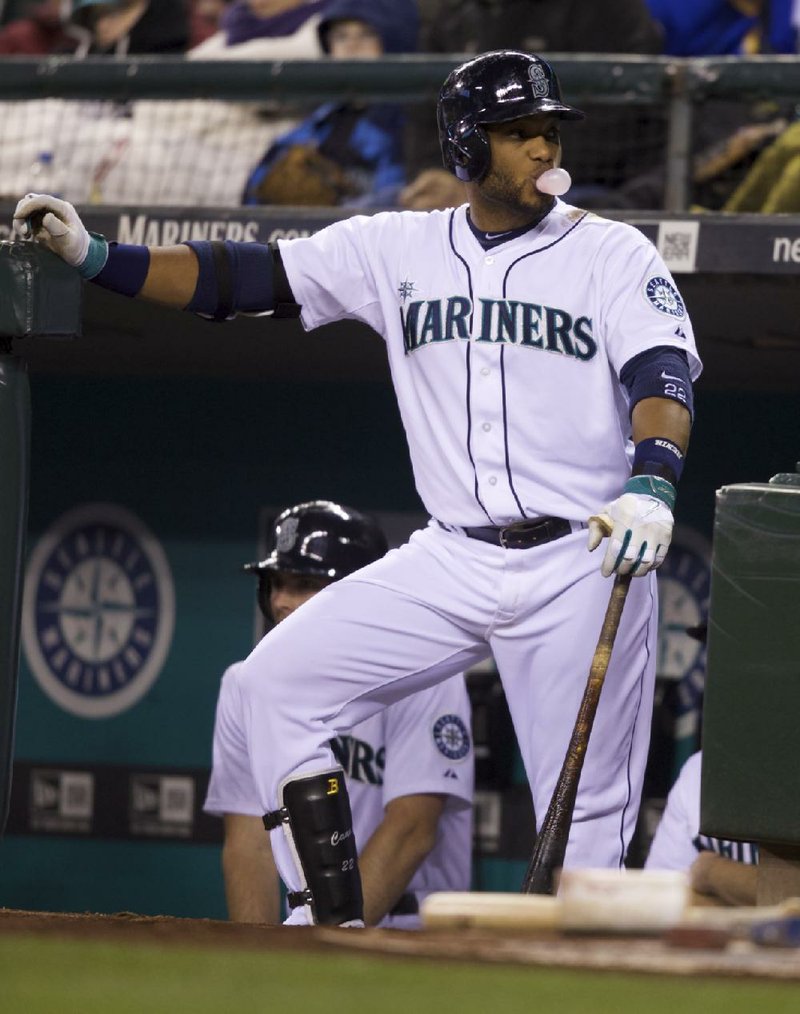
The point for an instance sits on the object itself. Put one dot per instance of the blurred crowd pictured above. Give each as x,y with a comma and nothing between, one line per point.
746,157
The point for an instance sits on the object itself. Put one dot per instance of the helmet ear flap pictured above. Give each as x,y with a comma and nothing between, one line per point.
264,589
470,151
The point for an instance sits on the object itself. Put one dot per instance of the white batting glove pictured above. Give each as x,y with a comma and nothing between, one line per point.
55,224
639,526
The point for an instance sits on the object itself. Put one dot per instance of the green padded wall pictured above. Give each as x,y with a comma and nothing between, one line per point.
40,296
15,459
750,787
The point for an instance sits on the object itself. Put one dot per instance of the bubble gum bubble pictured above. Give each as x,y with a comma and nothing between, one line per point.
555,182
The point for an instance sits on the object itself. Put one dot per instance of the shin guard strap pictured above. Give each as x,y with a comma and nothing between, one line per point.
275,818
297,898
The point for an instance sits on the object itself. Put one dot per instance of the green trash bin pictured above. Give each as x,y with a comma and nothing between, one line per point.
750,783
40,296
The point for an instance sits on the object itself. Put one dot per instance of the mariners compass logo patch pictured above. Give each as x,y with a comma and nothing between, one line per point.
451,737
99,610
665,297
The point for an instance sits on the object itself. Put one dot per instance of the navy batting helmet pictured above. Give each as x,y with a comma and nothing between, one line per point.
323,539
492,88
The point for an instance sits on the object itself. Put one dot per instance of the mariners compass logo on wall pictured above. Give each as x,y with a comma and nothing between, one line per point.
99,610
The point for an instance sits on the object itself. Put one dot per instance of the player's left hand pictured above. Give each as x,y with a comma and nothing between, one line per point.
639,528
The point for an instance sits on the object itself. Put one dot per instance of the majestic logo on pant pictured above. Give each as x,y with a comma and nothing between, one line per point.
500,322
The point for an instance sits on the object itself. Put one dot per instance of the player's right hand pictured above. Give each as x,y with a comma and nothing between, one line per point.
55,224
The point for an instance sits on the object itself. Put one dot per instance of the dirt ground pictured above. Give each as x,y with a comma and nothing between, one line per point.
737,958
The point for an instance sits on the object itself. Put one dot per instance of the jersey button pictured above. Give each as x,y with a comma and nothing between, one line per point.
485,371
492,480
489,260
487,427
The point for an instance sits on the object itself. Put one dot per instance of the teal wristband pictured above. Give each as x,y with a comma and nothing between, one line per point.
96,256
652,485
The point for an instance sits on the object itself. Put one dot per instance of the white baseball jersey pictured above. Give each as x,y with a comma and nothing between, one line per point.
506,367
677,841
505,362
419,745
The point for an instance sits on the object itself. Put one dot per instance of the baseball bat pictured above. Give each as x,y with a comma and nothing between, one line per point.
551,842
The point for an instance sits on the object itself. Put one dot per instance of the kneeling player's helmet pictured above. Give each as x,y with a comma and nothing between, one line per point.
492,88
319,538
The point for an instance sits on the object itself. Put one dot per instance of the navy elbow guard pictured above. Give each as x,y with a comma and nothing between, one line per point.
240,278
315,818
662,372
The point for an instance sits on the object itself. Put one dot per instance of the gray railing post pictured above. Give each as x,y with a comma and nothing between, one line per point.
679,141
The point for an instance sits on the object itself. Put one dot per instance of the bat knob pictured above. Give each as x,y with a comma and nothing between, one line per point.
604,522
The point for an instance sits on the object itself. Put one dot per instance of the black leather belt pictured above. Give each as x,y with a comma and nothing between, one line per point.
407,904
522,534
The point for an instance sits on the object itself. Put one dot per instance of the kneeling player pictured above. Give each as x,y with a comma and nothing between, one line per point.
409,769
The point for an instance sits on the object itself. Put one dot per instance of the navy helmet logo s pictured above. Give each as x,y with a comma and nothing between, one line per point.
663,295
451,737
287,535
538,80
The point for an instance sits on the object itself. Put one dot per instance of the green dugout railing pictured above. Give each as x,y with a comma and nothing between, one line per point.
677,84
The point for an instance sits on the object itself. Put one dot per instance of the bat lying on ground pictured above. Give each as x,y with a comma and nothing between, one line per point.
642,902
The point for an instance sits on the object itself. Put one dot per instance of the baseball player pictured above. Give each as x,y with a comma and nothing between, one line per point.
542,359
722,872
409,769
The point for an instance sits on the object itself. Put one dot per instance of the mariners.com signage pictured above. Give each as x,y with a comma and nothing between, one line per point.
754,244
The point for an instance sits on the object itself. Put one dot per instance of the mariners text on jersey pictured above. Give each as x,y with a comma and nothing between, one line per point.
502,321
359,760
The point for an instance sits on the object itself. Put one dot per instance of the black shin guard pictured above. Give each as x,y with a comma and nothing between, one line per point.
316,820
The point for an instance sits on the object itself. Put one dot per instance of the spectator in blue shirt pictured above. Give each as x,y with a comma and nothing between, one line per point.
345,152
721,27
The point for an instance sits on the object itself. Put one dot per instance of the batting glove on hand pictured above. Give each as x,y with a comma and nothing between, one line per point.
639,526
56,225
